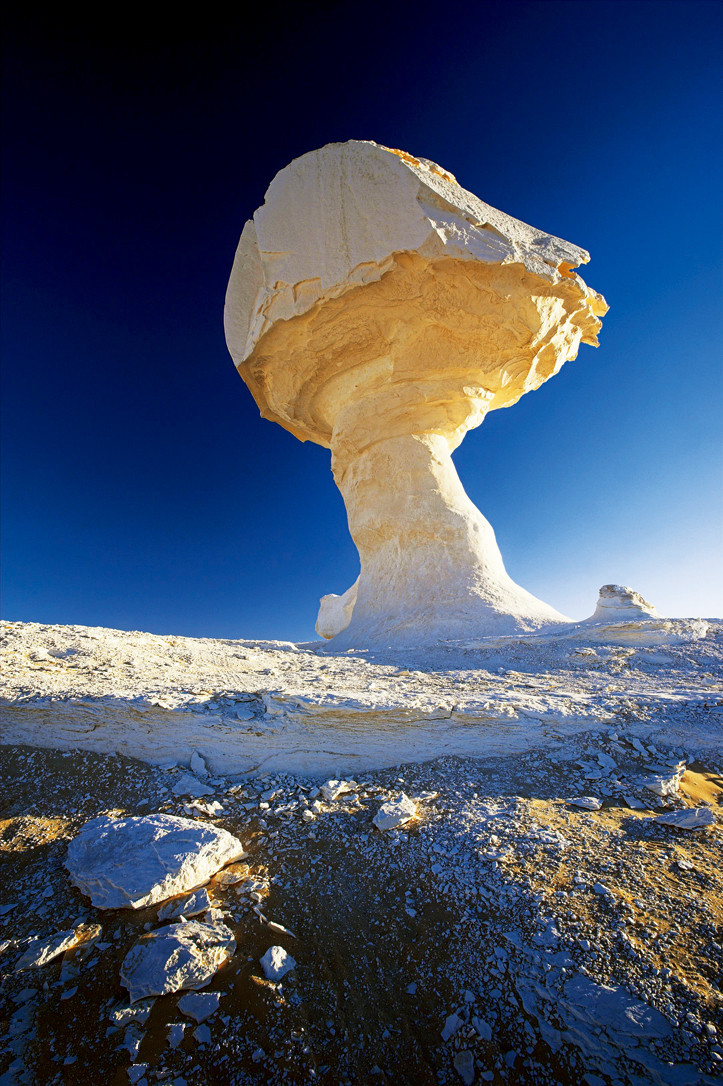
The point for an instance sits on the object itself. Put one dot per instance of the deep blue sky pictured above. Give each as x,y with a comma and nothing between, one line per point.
140,488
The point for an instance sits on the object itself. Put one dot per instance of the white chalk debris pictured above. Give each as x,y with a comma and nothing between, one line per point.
129,863
395,812
276,963
181,956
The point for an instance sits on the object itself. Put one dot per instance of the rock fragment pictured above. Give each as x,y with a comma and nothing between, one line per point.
464,1066
42,951
395,812
186,785
332,789
198,766
180,956
199,1005
190,905
129,863
663,786
692,818
451,1025
586,803
276,963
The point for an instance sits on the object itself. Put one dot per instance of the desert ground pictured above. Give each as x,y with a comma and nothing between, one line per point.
540,918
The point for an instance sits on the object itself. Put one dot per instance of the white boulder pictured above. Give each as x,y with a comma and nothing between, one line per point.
129,863
335,612
181,956
276,963
617,603
395,812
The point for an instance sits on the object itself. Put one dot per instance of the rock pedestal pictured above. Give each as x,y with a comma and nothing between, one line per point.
377,308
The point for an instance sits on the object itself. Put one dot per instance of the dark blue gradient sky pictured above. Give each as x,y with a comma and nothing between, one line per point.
140,488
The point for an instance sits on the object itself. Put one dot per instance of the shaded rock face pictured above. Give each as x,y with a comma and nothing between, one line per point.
379,309
129,863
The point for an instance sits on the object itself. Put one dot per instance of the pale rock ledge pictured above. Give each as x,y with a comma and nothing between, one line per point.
379,309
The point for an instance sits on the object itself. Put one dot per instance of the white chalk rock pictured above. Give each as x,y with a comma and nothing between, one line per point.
381,310
180,956
129,863
42,951
395,812
199,1005
663,786
332,789
198,766
620,604
586,803
692,818
191,786
276,963
335,612
190,905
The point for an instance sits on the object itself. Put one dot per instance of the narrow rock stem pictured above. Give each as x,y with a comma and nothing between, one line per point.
429,559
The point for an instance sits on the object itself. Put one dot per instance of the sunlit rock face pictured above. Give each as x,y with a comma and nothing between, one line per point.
379,309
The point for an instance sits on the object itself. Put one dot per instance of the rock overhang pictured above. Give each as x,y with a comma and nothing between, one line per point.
355,245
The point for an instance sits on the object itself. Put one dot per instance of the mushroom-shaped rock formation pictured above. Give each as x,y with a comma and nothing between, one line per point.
379,309
618,603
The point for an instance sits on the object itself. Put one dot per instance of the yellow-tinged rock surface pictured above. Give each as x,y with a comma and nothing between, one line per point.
379,309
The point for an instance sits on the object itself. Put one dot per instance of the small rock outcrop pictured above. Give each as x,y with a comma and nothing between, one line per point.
129,863
618,603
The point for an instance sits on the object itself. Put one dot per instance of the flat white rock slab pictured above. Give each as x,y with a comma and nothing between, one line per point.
129,863
586,803
694,818
180,956
42,951
199,1005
